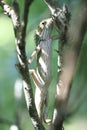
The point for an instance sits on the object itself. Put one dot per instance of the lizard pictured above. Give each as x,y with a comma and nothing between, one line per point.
42,76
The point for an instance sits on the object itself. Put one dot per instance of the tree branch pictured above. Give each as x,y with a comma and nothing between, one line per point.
71,38
25,17
52,3
21,53
70,54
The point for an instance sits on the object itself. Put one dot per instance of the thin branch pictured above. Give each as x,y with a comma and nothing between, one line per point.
52,3
25,17
22,66
15,6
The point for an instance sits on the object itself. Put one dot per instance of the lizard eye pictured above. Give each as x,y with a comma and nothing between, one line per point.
44,23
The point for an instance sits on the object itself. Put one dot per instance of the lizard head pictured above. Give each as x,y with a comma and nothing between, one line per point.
44,30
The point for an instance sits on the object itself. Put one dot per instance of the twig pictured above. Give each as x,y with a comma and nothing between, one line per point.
25,17
52,3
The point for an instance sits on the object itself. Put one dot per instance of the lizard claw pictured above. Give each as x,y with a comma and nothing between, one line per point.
48,121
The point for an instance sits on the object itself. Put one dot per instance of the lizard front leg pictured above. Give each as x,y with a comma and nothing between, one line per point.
36,51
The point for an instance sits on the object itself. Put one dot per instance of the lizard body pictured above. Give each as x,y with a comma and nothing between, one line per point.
42,76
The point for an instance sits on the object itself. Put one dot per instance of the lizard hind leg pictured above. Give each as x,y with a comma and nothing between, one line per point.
39,98
39,102
45,112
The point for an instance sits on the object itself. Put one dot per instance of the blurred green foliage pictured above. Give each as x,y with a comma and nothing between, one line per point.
9,74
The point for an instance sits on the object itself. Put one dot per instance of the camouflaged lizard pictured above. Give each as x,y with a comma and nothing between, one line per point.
42,76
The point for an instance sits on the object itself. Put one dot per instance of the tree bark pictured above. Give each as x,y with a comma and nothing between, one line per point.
70,55
20,34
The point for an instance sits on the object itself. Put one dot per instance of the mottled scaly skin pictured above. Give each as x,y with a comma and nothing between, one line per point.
42,76
44,57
